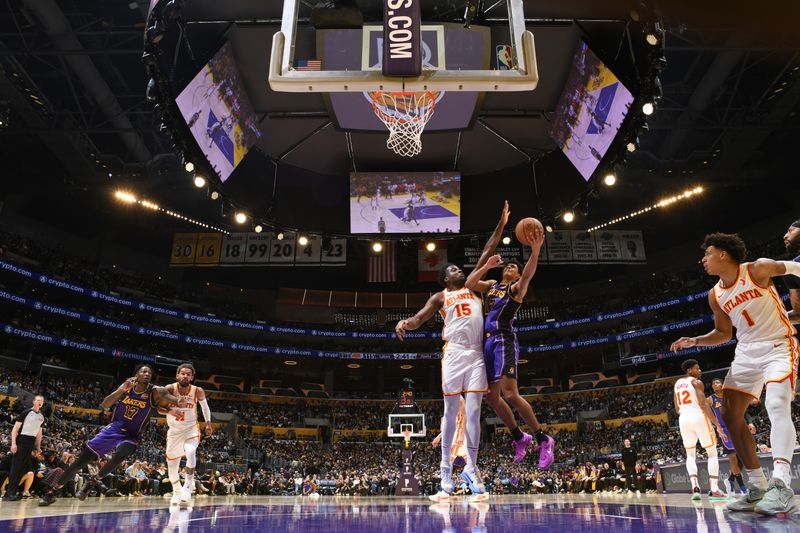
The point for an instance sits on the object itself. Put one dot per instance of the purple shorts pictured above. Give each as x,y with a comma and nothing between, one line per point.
501,354
110,437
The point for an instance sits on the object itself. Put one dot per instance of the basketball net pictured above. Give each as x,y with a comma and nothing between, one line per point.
405,114
407,438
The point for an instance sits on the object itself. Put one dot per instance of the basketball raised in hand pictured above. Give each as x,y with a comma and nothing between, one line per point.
529,231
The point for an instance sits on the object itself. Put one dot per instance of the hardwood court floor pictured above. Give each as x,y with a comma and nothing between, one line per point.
506,514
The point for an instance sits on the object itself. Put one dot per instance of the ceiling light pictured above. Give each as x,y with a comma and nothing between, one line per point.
666,202
189,166
258,228
280,236
303,240
377,247
648,108
506,240
406,367
354,365
568,216
610,179
199,182
240,218
214,195
125,196
548,228
290,363
431,246
522,361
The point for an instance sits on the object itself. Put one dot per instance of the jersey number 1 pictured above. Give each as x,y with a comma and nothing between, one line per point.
748,318
463,310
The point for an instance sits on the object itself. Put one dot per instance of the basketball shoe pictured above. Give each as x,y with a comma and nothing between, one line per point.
717,495
521,447
696,493
446,486
473,481
546,455
748,501
778,499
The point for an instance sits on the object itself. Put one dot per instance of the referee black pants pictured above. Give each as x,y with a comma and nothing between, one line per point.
20,462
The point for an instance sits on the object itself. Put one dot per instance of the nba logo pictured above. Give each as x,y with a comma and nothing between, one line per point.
505,60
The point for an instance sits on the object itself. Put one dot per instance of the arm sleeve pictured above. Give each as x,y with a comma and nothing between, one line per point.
206,410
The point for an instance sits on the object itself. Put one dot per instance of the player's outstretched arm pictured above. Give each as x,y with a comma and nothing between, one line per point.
520,288
722,332
114,397
494,240
761,270
163,398
433,304
475,281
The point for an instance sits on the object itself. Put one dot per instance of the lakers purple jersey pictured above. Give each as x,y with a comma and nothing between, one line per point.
133,410
716,406
502,310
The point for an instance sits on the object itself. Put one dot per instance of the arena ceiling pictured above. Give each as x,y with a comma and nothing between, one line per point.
74,86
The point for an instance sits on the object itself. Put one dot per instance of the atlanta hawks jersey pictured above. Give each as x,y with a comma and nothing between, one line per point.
463,318
756,312
686,396
186,416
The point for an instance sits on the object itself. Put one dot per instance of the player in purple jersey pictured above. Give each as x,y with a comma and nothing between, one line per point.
501,350
792,242
133,403
715,403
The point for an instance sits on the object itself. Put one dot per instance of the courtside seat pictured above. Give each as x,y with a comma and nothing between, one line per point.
646,378
229,387
527,391
264,391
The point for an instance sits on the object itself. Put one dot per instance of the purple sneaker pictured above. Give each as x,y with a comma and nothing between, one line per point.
546,456
521,447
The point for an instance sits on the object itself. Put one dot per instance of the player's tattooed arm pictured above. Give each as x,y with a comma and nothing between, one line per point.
163,398
722,332
114,397
433,304
494,240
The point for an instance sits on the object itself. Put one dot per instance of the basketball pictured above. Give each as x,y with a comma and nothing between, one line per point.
525,230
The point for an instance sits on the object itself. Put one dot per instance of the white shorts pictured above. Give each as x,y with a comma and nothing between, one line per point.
463,370
757,363
177,438
694,427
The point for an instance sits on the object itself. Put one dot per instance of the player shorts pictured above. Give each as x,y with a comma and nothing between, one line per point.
177,438
757,363
694,427
501,353
463,370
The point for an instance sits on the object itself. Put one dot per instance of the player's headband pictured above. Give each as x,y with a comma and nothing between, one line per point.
795,224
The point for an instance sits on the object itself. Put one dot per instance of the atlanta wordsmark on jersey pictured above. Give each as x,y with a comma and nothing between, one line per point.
186,416
686,396
757,312
463,318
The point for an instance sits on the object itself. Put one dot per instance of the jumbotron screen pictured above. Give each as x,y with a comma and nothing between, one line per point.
405,202
219,113
590,112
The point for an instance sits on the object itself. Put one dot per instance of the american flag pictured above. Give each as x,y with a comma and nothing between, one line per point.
308,64
382,266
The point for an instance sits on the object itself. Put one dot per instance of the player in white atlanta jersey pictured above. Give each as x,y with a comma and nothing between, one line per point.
766,353
463,370
183,435
695,422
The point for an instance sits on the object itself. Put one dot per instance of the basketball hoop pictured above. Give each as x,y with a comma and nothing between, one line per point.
407,436
405,114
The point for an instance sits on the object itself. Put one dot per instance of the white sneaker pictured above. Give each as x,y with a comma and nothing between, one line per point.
186,494
440,496
176,497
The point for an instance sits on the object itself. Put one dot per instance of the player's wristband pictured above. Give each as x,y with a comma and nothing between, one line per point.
792,267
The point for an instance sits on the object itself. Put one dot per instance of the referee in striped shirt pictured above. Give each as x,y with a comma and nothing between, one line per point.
25,438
